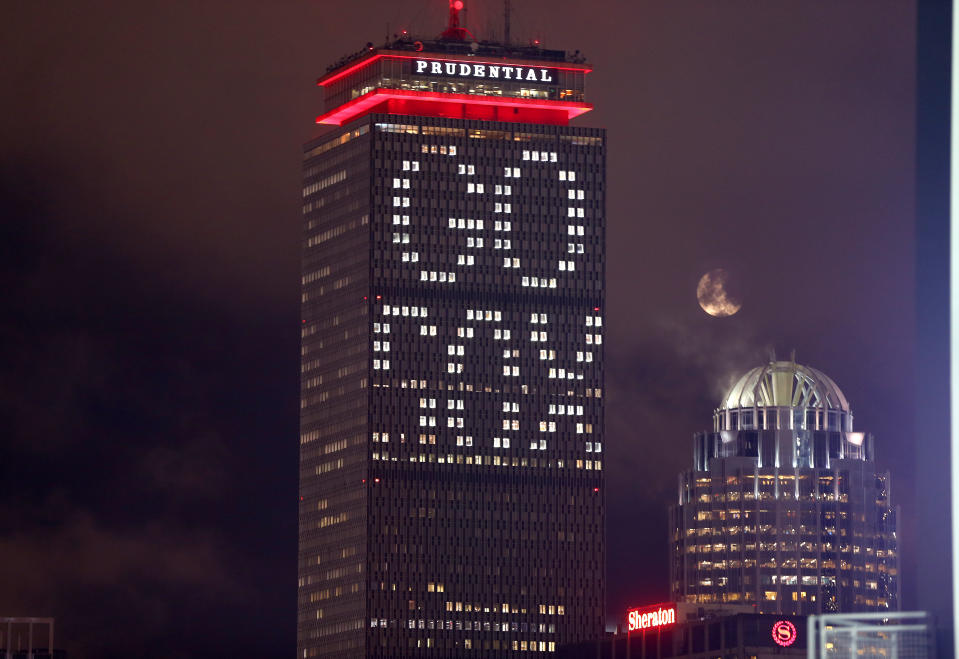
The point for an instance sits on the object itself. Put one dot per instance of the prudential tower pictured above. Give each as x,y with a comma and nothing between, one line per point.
451,418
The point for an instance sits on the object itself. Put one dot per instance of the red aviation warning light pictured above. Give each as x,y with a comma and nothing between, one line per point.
649,617
453,31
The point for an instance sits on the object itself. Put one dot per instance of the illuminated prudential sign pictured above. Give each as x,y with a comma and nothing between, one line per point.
651,617
473,71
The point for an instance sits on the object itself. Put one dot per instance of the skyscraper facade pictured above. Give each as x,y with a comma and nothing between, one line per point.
784,508
451,429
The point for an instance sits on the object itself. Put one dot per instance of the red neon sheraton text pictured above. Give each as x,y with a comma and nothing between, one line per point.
650,617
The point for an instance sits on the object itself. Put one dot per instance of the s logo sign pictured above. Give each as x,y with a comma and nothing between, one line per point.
784,633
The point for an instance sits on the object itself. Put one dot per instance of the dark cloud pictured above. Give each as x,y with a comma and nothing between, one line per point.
139,581
133,470
79,551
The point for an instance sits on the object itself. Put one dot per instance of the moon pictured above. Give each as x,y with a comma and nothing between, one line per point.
714,296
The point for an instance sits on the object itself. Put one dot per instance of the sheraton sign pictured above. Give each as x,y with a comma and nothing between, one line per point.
650,617
784,633
535,74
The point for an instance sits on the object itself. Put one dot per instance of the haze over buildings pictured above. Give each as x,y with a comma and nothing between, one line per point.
152,205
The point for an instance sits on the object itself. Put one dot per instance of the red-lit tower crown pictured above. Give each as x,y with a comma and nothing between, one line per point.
459,77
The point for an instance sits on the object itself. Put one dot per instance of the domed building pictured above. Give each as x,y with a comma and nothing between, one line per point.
784,508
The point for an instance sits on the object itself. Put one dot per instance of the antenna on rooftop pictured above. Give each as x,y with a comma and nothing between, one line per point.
453,31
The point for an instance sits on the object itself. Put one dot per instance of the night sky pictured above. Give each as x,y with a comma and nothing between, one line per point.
149,259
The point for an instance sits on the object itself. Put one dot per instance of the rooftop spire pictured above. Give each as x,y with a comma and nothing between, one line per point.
453,31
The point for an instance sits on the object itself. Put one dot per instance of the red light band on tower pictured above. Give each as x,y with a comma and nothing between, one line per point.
451,105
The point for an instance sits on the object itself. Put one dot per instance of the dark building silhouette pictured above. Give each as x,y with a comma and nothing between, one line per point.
784,508
28,638
706,636
451,446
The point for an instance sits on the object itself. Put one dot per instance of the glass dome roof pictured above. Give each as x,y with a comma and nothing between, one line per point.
785,384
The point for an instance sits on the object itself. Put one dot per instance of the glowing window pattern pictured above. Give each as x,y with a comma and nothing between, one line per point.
473,436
